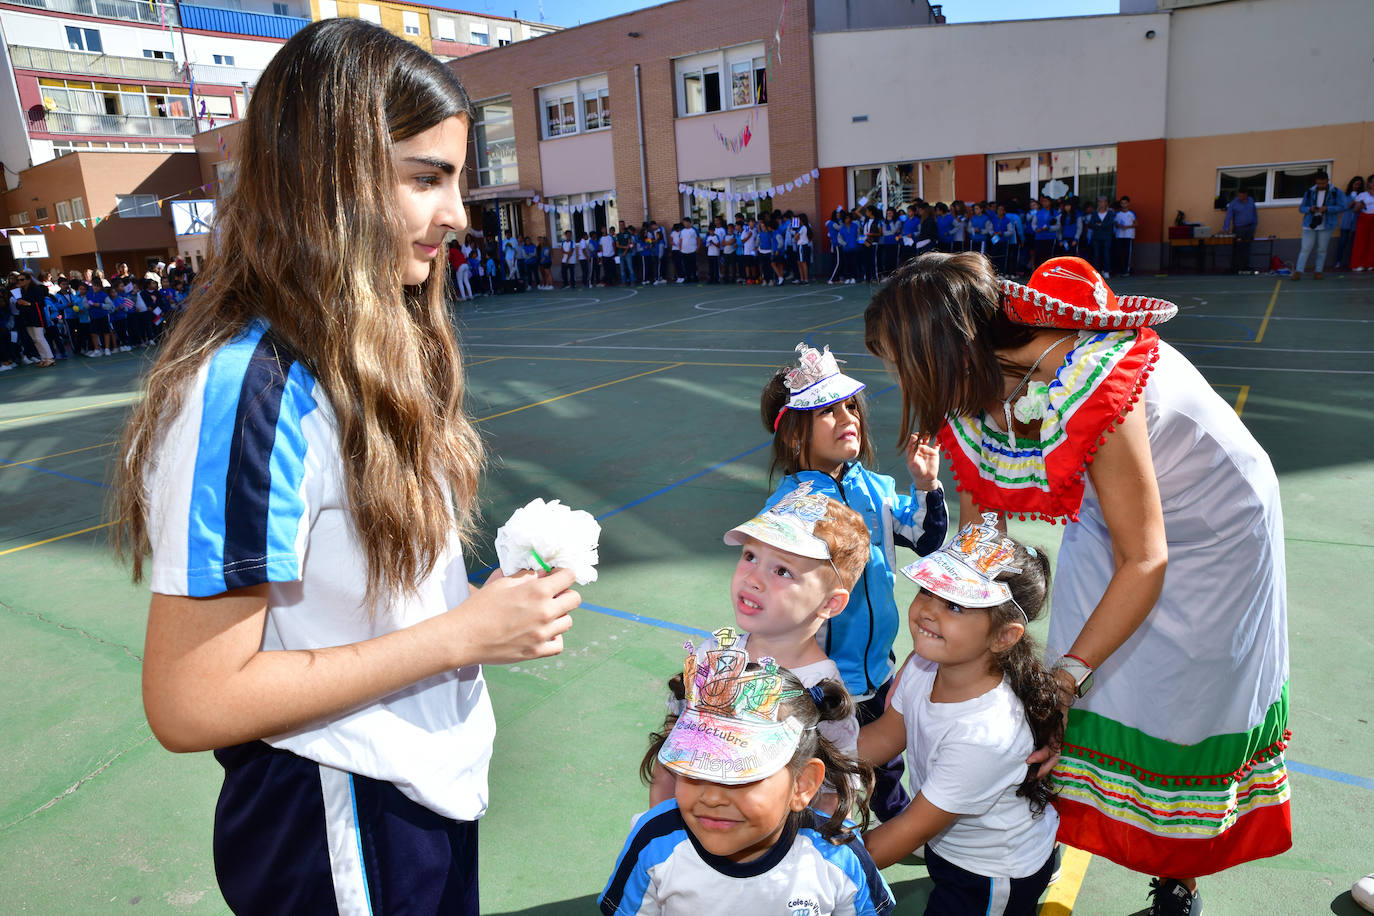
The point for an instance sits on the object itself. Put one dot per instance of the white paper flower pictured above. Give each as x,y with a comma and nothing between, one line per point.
553,533
1034,404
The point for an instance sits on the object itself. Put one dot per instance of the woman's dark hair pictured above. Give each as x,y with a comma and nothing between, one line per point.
1030,680
938,321
850,780
792,438
1350,185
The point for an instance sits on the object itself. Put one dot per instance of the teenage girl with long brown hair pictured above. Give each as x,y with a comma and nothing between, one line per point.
301,478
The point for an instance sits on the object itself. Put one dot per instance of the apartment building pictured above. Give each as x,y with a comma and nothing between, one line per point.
446,33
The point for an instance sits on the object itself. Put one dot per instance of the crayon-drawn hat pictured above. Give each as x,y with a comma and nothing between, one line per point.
1070,293
965,570
731,730
789,524
816,381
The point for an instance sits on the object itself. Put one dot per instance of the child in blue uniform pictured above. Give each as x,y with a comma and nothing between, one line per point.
820,435
739,835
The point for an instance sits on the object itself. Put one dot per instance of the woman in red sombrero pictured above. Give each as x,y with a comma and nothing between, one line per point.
1057,400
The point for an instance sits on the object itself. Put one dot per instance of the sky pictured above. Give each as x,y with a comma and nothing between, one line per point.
575,12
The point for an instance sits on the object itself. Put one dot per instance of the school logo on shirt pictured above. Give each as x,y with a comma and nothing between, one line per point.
803,906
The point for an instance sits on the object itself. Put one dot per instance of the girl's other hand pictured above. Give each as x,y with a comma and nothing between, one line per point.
923,463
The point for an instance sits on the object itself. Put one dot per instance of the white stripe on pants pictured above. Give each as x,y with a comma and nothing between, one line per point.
345,849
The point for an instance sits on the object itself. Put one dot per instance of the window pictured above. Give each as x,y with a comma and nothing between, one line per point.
226,173
157,55
702,210
329,9
494,142
596,109
84,40
226,60
78,208
700,85
444,28
503,36
581,213
40,213
477,34
370,12
897,184
410,22
576,106
64,212
131,205
1270,185
280,9
217,106
19,219
1083,173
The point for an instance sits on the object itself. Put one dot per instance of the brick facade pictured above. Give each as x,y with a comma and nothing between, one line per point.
665,32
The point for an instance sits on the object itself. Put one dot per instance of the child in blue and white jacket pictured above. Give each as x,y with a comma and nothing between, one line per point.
819,423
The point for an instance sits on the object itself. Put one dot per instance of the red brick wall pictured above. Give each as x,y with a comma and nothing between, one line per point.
665,32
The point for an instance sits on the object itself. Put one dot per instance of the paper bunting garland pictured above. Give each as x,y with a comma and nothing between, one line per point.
761,193
537,201
96,220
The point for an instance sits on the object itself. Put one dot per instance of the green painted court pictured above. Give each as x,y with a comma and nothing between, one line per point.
641,406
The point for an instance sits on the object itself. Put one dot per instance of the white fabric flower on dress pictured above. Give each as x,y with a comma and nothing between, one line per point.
1034,404
544,535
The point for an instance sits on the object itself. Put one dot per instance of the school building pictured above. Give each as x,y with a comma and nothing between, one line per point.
1174,103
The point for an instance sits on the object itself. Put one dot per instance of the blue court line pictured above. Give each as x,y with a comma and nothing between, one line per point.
34,467
1308,769
640,618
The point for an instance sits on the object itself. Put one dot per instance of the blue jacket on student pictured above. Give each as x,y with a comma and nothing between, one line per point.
1336,203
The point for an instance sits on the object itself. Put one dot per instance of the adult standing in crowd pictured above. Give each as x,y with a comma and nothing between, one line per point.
1101,226
689,241
30,317
303,480
1173,758
1321,209
1240,220
1362,249
1345,244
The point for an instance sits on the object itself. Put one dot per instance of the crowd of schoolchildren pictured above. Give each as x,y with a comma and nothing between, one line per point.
859,245
50,316
786,729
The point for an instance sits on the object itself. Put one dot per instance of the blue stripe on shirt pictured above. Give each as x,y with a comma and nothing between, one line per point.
286,505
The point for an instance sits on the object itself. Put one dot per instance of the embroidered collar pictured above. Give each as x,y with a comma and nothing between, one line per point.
1098,384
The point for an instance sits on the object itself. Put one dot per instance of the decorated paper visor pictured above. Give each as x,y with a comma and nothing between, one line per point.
816,382
731,730
965,570
1070,293
789,524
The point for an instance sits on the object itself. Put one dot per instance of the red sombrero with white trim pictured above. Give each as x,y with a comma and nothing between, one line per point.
1070,293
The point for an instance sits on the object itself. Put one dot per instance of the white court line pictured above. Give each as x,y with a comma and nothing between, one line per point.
1210,346
772,350
712,314
563,304
1287,318
1286,369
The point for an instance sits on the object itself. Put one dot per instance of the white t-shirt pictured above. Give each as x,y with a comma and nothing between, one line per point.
1367,199
803,235
712,245
582,245
1125,224
676,237
689,240
281,516
969,758
750,237
568,246
607,246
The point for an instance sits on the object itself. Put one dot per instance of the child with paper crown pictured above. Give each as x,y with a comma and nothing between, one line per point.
738,836
970,705
819,423
798,562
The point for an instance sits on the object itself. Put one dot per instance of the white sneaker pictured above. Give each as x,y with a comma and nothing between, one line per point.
6,367
1363,892
94,354
679,280
107,351
125,349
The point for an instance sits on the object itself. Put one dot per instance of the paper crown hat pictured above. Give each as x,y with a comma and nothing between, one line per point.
731,730
816,381
965,570
1070,293
789,524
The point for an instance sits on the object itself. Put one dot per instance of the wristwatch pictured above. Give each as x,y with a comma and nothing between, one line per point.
1080,671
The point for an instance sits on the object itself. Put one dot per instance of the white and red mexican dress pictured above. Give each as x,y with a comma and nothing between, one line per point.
1173,763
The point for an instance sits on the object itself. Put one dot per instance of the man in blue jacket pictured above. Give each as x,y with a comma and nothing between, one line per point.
1321,210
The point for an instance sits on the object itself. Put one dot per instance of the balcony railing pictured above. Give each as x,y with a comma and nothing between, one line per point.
66,122
128,10
219,75
55,61
239,22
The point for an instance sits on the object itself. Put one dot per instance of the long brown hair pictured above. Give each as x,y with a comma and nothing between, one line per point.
311,240
939,321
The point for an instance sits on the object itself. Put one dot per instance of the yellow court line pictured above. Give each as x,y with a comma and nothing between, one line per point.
829,323
1264,325
1240,399
483,362
70,534
560,397
52,413
73,451
651,362
1060,898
